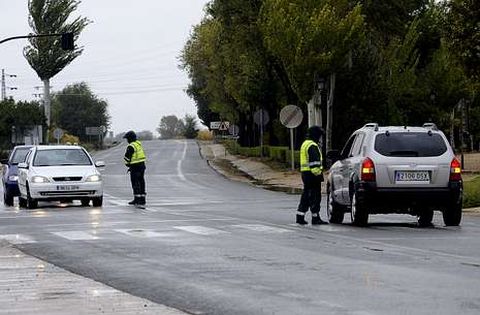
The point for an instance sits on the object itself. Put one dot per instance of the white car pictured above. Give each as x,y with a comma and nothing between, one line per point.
62,173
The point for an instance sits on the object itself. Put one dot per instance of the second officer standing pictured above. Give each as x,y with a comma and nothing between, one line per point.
135,161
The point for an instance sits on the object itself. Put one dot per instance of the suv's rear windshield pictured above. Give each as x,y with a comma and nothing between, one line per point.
410,144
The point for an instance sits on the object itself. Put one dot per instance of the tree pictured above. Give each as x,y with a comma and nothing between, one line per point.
19,117
170,127
145,135
190,130
463,29
45,54
76,107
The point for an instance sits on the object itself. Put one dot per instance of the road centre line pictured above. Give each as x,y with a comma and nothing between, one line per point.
179,163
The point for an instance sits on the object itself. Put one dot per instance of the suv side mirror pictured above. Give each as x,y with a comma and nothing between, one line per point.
22,165
332,157
4,161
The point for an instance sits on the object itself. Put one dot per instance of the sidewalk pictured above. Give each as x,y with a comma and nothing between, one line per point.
250,170
31,286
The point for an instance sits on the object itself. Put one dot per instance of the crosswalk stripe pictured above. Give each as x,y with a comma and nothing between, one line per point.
201,230
144,233
77,235
261,228
18,239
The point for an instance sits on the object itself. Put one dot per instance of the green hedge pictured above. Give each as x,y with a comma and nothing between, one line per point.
277,154
471,192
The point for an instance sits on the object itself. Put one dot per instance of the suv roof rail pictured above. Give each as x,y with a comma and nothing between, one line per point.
371,125
430,126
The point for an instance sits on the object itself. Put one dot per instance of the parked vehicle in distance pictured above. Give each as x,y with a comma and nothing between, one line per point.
395,169
10,173
62,173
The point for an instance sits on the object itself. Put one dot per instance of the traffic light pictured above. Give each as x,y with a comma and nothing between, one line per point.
67,41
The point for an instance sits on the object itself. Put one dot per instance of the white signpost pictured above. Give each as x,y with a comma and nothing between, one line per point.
215,124
291,116
58,134
261,118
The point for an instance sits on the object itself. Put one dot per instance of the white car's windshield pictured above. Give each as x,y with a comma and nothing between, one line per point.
57,157
19,155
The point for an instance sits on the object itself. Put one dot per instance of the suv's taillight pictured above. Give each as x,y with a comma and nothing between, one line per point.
455,170
368,171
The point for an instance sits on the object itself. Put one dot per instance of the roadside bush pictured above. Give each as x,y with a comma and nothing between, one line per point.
471,192
205,135
278,153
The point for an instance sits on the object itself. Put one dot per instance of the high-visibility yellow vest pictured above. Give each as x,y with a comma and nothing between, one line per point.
138,153
305,165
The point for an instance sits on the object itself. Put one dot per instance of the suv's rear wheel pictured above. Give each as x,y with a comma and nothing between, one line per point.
359,211
335,211
85,202
452,216
425,218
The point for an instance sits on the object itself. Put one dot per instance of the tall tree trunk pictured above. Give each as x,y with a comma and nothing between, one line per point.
47,106
330,100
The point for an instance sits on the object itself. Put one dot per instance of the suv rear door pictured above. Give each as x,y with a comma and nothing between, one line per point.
411,159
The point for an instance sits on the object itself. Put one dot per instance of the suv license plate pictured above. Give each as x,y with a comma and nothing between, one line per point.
68,187
412,176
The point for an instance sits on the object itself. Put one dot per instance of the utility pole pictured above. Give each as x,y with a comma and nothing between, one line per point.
4,84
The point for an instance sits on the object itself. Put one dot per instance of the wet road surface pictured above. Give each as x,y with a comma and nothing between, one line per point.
207,245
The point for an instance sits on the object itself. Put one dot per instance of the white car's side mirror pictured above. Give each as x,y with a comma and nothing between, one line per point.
100,164
22,165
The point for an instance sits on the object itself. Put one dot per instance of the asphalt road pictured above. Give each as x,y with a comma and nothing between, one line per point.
207,245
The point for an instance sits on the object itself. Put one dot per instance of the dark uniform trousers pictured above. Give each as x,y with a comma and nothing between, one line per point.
137,177
312,194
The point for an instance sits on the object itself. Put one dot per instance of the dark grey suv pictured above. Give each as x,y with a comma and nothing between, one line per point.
397,169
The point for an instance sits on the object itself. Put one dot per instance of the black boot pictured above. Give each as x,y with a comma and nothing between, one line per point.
141,201
316,220
134,201
301,219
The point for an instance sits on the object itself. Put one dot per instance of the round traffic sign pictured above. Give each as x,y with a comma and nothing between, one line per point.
261,117
233,130
58,133
291,116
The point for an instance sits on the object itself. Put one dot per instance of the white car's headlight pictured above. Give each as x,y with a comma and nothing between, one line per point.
39,179
93,178
13,178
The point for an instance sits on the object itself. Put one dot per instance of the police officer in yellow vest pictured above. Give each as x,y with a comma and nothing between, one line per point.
135,161
312,177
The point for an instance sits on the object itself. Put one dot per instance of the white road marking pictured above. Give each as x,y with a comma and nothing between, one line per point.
77,235
261,228
179,163
142,233
201,230
18,239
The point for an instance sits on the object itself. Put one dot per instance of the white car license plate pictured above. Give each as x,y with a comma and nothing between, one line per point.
67,187
412,176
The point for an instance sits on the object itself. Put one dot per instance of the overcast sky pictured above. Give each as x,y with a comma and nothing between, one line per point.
130,57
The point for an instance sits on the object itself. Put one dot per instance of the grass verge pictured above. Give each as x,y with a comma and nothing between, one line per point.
471,192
